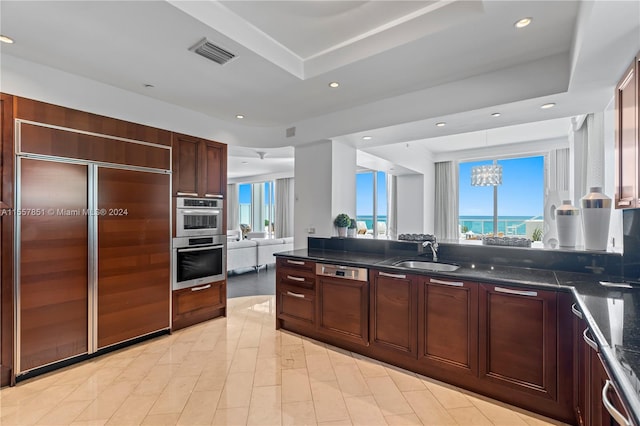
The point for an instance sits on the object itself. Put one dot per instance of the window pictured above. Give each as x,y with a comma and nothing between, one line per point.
371,202
520,200
257,206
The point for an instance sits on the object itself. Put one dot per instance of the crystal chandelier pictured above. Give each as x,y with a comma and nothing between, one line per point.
486,175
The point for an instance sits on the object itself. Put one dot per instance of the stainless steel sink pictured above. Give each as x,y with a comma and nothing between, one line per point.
427,265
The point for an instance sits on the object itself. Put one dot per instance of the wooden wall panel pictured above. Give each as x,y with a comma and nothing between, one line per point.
6,239
53,263
29,109
134,280
60,143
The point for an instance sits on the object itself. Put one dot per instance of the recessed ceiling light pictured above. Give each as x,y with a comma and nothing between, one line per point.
523,22
366,138
495,114
549,105
5,39
239,116
148,86
245,162
334,84
441,124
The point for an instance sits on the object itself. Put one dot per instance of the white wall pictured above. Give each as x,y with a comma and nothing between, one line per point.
325,174
410,204
429,197
343,183
615,226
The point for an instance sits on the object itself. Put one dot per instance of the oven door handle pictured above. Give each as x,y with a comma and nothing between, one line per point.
208,212
184,250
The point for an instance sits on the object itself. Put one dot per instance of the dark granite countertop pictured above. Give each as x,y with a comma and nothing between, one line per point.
612,313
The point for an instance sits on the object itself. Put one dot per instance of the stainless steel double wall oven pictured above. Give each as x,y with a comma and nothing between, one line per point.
200,246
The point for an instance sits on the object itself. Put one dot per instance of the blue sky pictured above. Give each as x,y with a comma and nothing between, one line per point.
364,194
521,192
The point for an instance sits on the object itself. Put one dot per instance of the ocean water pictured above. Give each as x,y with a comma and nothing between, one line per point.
509,225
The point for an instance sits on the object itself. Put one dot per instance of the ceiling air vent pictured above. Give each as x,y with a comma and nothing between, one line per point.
210,51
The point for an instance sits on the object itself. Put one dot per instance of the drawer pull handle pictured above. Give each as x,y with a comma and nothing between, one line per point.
289,277
617,415
298,295
589,340
191,194
624,202
295,262
517,292
213,196
575,311
204,287
451,283
386,274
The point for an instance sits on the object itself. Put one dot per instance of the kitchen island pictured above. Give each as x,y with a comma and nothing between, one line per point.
496,325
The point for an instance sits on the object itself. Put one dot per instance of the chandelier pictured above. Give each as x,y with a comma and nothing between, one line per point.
486,175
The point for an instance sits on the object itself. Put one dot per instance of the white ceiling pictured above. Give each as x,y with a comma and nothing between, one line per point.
402,65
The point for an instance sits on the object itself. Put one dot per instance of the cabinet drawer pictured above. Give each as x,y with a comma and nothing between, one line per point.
296,278
298,264
206,296
296,304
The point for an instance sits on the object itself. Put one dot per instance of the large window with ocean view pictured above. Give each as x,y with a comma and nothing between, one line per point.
257,206
371,203
519,195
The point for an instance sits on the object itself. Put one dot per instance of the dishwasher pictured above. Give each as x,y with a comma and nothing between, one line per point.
343,303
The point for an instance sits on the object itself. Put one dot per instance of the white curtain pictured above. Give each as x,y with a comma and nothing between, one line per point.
284,208
559,170
446,208
392,206
257,207
233,214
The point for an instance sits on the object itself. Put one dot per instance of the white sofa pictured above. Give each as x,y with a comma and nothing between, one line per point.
254,253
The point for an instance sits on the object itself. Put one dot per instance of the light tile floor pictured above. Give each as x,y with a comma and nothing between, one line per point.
239,370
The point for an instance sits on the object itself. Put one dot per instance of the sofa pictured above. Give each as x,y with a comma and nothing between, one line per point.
253,253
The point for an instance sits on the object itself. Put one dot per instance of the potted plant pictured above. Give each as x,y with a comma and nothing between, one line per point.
341,222
351,230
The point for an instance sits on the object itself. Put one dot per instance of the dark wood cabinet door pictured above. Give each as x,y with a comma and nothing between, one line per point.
53,262
600,416
518,345
296,305
198,303
343,309
186,165
394,309
581,371
6,239
448,325
133,254
215,170
627,151
6,151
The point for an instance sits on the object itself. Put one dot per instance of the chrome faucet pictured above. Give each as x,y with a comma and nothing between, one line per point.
434,248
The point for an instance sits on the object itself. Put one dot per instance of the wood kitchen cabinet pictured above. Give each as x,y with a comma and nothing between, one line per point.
627,137
199,167
394,313
581,370
6,151
591,377
53,266
343,309
198,303
6,238
448,326
295,293
134,259
518,339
